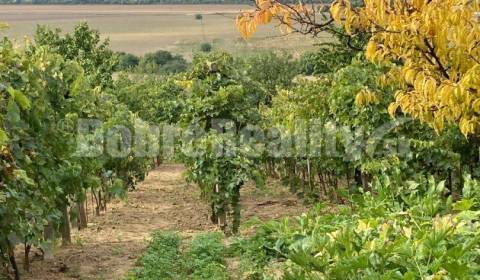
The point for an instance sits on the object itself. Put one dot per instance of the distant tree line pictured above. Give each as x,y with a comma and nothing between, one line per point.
159,62
133,2
129,2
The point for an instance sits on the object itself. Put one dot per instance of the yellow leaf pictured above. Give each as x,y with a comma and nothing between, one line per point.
264,4
263,17
392,109
360,99
362,226
336,10
371,50
408,232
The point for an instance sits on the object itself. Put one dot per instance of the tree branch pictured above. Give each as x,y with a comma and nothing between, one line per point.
432,52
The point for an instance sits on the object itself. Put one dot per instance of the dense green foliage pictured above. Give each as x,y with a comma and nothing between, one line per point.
203,259
162,259
339,129
271,71
47,88
127,61
220,102
160,62
85,47
155,99
206,47
400,230
407,204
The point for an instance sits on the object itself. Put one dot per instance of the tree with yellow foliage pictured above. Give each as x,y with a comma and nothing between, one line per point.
433,45
301,18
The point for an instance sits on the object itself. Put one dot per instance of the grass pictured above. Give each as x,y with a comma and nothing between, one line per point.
206,257
141,29
162,259
203,259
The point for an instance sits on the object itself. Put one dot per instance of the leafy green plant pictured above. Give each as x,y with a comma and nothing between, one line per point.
402,231
162,62
85,47
202,259
271,71
162,260
206,47
215,161
127,61
205,257
46,89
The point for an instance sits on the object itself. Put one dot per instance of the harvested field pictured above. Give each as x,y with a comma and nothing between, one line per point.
144,28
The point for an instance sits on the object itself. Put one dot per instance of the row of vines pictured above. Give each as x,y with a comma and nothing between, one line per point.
47,179
381,122
395,144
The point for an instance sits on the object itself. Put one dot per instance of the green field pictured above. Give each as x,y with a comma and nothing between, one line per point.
141,29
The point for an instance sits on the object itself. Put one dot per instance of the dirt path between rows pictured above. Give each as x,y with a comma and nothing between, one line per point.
112,243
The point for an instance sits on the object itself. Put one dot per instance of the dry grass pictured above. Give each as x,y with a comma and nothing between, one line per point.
141,29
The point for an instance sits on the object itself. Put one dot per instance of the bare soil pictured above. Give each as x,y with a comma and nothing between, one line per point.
112,243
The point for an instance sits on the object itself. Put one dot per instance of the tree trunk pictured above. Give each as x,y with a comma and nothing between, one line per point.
106,199
222,221
236,210
460,178
214,216
347,173
82,215
49,236
449,184
100,203
358,178
222,216
310,179
365,181
66,236
97,203
26,262
11,257
323,188
86,207
292,175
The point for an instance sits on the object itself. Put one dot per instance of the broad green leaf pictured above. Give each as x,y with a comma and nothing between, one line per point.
20,98
457,270
21,175
463,205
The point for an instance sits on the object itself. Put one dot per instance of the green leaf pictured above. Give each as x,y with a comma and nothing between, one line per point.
410,275
22,176
440,187
3,137
463,205
20,98
118,189
457,270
